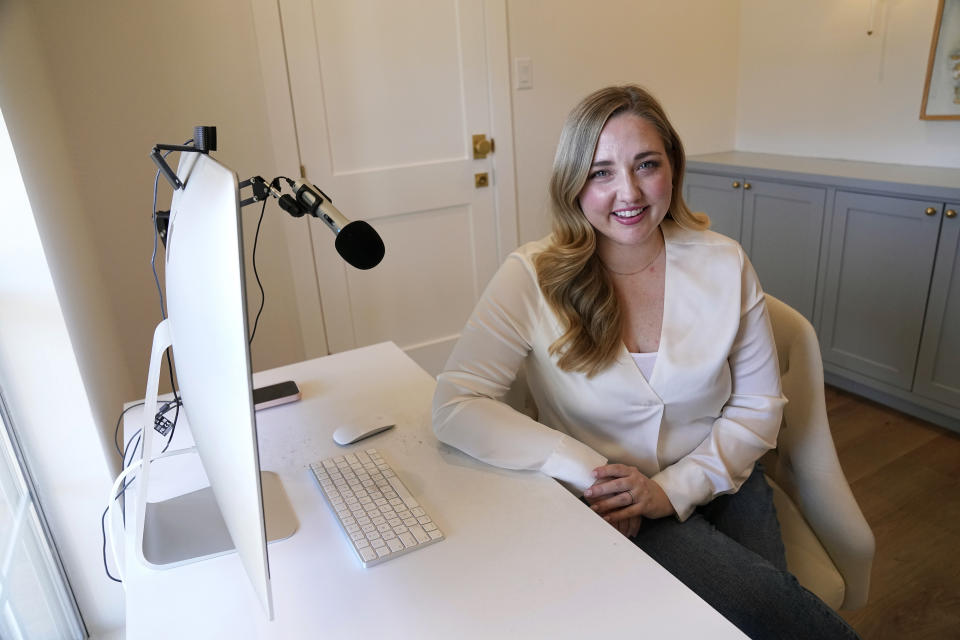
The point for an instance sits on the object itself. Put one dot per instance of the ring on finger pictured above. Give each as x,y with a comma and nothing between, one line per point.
629,492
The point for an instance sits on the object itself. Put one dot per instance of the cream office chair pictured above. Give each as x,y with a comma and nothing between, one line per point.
828,542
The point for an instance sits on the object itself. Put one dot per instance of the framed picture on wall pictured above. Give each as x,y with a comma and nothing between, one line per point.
941,92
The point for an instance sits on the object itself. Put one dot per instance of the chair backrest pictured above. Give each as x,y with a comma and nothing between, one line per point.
805,437
807,468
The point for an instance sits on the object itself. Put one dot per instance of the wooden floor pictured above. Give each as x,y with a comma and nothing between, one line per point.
905,474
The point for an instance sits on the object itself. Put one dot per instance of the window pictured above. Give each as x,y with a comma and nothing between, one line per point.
35,601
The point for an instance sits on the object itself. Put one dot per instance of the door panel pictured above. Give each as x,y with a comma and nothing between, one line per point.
448,302
391,83
387,95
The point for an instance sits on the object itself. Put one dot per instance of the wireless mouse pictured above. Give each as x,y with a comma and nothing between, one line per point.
358,430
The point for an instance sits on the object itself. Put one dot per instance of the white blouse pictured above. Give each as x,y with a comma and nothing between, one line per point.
709,408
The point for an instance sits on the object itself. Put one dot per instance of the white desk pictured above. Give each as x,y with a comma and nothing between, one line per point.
522,556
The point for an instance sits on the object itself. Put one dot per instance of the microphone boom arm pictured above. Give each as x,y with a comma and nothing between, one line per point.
356,241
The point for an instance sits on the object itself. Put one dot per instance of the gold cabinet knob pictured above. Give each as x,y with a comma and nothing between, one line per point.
930,211
736,184
747,185
951,213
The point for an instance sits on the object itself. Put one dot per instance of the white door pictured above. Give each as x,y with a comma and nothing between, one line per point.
387,95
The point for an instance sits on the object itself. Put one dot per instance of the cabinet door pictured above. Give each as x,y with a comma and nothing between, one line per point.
718,198
938,370
878,274
782,224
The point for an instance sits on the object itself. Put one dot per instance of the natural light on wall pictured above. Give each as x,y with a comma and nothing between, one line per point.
35,601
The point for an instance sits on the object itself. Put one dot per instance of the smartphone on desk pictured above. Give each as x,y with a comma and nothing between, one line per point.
274,394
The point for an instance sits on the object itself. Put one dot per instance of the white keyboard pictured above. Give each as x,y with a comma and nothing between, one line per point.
377,512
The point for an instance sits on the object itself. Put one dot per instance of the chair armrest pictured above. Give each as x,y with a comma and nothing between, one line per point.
809,471
828,505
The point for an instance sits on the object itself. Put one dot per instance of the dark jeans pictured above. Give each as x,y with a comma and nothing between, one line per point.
729,552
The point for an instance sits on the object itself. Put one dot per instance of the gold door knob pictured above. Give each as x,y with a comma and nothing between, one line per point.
746,185
930,211
736,184
481,146
951,213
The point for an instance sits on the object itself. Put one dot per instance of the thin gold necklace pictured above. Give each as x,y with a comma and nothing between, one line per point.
643,268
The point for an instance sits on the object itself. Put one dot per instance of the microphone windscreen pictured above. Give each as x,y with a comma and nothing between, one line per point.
360,245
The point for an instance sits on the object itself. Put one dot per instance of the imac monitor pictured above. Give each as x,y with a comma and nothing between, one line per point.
207,329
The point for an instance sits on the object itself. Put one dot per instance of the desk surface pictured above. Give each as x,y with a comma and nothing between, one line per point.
522,556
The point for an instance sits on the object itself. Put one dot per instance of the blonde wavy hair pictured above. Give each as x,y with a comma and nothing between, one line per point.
570,275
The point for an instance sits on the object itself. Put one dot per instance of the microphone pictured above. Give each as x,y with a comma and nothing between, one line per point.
357,242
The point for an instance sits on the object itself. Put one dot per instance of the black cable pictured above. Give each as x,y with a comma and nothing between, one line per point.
103,533
173,428
176,399
116,431
263,296
123,489
103,516
153,213
163,310
173,404
130,453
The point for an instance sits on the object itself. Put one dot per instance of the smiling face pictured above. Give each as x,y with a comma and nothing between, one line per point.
628,189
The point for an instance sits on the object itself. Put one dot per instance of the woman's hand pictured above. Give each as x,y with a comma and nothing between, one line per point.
623,496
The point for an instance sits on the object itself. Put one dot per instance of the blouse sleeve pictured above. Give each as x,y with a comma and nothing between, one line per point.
748,423
467,409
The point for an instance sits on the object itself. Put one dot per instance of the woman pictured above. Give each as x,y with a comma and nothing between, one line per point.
648,351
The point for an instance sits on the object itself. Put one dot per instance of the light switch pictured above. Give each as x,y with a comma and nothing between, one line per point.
523,68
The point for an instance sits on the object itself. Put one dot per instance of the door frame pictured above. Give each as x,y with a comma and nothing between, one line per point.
283,135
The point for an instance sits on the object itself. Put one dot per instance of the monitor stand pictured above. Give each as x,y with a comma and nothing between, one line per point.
189,528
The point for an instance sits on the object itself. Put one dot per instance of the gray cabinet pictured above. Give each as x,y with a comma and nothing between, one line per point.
779,225
782,225
720,197
878,275
938,368
868,252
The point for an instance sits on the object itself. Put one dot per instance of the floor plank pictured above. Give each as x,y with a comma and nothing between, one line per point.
905,475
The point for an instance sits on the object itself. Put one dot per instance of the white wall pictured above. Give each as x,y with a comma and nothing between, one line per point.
813,83
60,365
683,51
87,89
128,75
39,138
49,407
